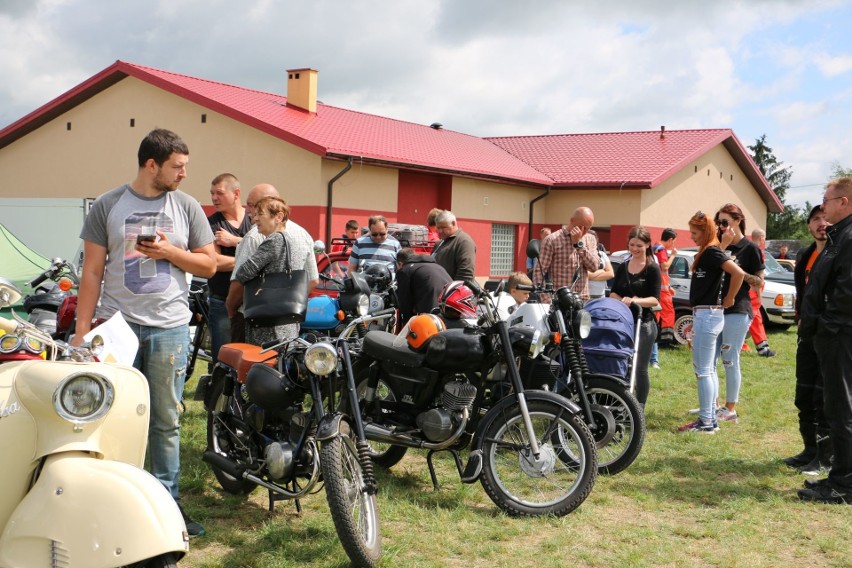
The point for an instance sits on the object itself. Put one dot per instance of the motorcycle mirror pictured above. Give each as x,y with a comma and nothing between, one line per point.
534,248
96,345
9,293
319,247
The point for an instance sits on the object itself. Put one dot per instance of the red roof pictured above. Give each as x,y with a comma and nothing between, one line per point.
635,159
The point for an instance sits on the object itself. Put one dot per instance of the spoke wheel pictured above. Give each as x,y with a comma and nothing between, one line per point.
628,436
556,481
221,440
352,504
168,560
683,328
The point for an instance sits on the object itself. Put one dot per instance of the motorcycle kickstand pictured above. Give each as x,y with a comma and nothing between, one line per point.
274,498
432,473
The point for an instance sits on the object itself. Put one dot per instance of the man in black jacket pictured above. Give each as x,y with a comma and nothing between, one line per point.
419,280
813,425
827,318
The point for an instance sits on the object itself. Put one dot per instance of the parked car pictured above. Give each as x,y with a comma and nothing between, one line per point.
787,264
777,300
775,272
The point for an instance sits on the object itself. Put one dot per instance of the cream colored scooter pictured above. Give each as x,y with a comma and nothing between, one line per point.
74,433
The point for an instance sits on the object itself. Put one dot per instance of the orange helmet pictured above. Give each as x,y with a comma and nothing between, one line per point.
421,328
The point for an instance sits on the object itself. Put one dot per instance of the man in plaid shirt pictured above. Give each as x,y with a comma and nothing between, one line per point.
568,252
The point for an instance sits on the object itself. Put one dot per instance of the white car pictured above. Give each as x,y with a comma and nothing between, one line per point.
777,300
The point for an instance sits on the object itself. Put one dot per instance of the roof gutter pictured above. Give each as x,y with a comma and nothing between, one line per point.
330,203
532,204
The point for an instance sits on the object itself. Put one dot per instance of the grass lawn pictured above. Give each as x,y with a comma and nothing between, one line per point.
688,500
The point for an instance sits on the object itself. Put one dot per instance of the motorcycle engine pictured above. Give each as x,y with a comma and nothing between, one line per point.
439,423
279,460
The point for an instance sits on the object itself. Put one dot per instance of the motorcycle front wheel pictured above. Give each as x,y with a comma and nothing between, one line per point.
353,506
168,560
220,439
626,442
554,483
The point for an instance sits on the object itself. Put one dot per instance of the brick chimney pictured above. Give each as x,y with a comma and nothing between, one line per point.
302,89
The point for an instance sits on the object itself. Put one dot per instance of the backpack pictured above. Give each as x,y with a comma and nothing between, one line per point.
609,346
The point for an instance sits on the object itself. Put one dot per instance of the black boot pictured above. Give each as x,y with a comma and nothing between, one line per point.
803,458
825,450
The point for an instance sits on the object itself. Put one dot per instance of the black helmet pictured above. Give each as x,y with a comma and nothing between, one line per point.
378,277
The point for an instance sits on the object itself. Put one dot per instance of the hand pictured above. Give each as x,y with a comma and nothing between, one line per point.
576,234
674,252
225,239
727,237
626,301
727,302
158,249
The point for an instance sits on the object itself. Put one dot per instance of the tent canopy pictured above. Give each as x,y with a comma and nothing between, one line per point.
19,263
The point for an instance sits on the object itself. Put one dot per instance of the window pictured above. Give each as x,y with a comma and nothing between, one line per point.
679,268
502,250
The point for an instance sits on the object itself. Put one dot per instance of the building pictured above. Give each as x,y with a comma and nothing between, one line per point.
333,164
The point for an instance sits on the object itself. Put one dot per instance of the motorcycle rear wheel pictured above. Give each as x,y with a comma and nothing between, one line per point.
555,484
168,560
353,508
629,437
218,440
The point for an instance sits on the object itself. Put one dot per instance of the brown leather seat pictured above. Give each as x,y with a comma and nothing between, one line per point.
241,356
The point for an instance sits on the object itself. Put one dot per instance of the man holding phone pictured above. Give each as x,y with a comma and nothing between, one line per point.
141,240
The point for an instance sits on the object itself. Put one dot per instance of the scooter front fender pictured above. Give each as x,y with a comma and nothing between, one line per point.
92,513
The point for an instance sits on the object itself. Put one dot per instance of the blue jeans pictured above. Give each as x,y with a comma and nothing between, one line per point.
162,358
707,326
655,354
728,345
219,325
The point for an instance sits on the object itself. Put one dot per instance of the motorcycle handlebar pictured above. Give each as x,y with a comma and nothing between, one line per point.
8,326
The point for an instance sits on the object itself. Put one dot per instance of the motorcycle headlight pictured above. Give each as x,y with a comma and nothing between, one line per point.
582,324
527,341
363,307
83,397
321,359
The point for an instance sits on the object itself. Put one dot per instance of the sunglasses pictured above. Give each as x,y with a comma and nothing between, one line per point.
379,234
699,215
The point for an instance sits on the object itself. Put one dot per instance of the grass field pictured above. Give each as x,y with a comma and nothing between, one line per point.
688,500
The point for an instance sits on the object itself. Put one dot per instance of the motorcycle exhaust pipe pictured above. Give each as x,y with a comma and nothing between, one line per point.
381,434
221,462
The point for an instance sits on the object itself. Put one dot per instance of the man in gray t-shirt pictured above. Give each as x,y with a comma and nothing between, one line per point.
141,240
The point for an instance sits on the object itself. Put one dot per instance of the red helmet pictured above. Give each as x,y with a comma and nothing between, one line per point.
457,301
421,328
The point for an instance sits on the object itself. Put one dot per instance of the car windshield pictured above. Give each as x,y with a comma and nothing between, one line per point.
772,265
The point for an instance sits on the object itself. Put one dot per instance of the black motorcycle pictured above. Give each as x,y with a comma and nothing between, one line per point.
530,450
272,421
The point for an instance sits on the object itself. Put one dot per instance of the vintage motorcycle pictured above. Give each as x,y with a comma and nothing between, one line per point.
529,449
609,408
75,433
273,422
52,305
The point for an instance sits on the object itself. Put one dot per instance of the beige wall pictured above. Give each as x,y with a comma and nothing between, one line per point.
479,199
718,180
363,187
611,207
99,152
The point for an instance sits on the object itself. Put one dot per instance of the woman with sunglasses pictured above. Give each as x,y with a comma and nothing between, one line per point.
712,272
732,225
637,281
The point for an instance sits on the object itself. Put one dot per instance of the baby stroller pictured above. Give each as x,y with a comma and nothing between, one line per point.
613,342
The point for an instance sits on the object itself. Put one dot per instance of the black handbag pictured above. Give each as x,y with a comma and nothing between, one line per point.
277,298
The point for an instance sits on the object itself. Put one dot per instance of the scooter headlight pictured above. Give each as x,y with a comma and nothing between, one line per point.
83,397
582,323
321,359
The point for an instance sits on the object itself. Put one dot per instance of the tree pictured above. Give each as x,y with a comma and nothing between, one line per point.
788,224
838,171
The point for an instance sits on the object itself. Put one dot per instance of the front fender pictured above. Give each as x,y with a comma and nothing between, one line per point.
332,425
93,513
504,403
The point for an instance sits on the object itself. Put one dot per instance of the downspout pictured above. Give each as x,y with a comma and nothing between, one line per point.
530,226
330,206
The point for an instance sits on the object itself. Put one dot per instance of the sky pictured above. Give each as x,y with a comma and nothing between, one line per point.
782,68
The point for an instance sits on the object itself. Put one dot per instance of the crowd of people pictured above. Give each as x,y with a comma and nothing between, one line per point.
145,279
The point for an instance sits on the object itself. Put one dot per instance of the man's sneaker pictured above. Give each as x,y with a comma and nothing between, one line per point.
826,493
767,352
655,365
725,414
801,459
700,426
193,528
814,483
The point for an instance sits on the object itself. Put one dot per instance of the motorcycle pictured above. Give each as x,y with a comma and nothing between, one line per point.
75,433
529,449
199,332
52,305
273,422
609,408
